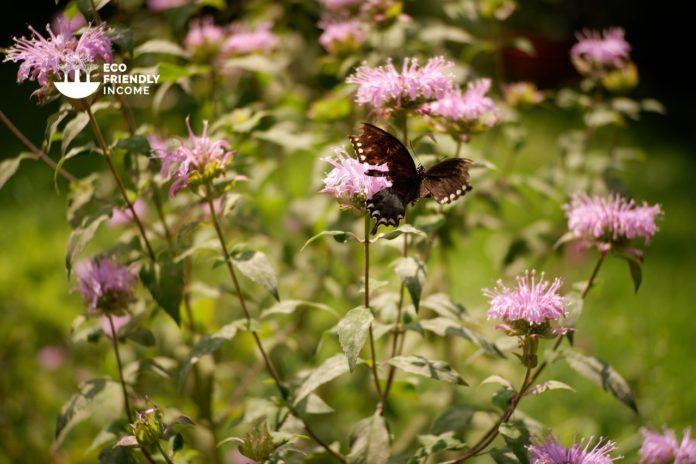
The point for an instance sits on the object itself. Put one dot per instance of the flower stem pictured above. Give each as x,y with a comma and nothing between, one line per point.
114,341
267,360
375,374
35,150
164,454
107,157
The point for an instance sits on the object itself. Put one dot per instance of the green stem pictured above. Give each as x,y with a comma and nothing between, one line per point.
107,157
375,374
267,360
114,341
164,454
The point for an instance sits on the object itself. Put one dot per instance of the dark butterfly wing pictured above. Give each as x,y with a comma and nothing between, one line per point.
375,146
386,207
446,181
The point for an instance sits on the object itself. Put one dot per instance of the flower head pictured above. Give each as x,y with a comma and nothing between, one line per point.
532,302
464,112
594,50
342,36
159,6
201,159
105,285
242,39
551,451
204,38
48,58
348,180
664,448
62,22
611,218
384,88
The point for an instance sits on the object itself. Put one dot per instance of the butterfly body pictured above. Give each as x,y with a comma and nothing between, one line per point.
445,182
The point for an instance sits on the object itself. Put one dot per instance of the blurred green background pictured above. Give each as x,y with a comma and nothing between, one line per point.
649,337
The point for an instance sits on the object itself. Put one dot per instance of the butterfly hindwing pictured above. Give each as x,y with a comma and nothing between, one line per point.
386,207
446,181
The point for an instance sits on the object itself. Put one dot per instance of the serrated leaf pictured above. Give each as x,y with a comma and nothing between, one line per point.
257,267
370,444
287,307
160,46
209,344
81,236
165,281
328,370
78,407
412,273
601,374
9,166
548,385
352,333
340,236
432,369
443,326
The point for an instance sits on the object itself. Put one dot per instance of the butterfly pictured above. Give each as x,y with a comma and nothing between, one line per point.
445,182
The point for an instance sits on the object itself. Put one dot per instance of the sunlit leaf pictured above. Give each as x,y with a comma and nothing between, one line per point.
370,441
352,333
412,273
165,281
257,267
438,370
9,166
328,370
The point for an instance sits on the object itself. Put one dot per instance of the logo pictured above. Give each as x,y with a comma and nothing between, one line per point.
115,79
77,89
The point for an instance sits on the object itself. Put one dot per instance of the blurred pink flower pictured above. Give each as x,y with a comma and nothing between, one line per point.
202,156
535,302
106,285
217,204
159,6
347,181
602,49
119,323
122,217
51,357
242,39
340,36
204,37
611,218
656,448
62,23
551,451
384,88
43,58
469,108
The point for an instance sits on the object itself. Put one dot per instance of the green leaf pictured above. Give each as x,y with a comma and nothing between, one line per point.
370,441
431,444
118,455
601,374
9,166
517,438
352,333
313,404
653,106
340,236
443,305
254,63
438,370
208,344
165,281
170,72
256,266
503,456
636,274
330,369
287,307
457,417
404,229
81,236
160,46
412,273
548,385
72,129
141,336
443,326
78,407
135,144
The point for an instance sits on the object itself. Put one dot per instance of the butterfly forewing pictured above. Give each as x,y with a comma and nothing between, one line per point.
376,147
446,181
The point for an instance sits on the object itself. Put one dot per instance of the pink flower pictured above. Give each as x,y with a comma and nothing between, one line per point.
552,452
664,449
384,88
105,285
601,49
203,157
470,108
347,181
611,218
119,323
43,58
122,217
204,37
242,40
535,302
159,6
51,357
62,22
342,36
